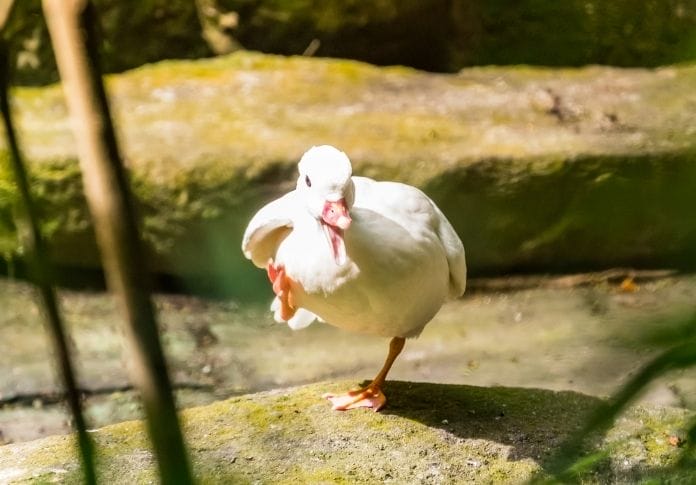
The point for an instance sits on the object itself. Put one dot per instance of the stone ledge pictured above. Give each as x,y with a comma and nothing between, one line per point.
429,433
538,169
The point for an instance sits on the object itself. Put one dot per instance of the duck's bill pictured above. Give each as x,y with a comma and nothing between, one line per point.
335,213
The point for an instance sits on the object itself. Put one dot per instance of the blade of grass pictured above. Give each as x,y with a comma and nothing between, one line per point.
688,457
41,271
72,27
562,464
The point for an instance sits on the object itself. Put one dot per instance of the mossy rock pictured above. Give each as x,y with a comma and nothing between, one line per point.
429,433
538,169
444,35
133,33
438,35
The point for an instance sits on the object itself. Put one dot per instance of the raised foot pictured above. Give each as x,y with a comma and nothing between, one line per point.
281,287
369,397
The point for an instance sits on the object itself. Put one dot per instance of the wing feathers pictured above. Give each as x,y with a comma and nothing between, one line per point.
267,229
454,250
402,202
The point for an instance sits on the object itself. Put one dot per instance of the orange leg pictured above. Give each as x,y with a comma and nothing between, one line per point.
372,395
281,287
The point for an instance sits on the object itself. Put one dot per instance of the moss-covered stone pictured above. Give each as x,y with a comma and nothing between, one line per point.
446,35
430,433
133,33
440,35
536,168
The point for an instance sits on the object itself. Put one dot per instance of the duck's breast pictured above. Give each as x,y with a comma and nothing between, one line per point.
393,283
396,275
309,262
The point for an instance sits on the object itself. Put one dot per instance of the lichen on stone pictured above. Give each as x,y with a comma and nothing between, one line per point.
429,433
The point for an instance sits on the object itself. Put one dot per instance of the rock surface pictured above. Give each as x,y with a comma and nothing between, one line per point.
444,35
440,35
578,333
430,433
155,30
536,168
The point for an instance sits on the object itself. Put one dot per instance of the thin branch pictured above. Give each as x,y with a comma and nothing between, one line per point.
41,269
71,25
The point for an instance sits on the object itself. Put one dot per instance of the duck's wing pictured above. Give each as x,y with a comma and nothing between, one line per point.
454,250
267,229
407,206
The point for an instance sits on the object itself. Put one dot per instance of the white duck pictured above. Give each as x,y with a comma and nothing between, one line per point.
372,257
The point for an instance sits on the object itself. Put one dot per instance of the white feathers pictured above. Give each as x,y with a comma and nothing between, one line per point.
302,318
403,258
267,229
325,163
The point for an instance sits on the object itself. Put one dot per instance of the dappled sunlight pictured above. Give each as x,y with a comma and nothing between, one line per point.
581,338
555,142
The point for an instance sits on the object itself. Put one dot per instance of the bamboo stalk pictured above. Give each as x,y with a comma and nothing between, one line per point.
40,267
71,25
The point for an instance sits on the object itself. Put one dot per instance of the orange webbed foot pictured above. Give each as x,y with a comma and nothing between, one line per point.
368,397
281,287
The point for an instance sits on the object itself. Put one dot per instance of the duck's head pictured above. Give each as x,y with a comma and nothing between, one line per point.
326,187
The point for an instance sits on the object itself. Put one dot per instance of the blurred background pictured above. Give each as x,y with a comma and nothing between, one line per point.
434,35
558,137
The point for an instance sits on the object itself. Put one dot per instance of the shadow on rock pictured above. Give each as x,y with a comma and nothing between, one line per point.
429,433
532,422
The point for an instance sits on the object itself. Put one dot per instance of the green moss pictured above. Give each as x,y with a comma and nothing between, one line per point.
126,435
428,432
208,142
318,476
172,27
61,449
594,32
435,34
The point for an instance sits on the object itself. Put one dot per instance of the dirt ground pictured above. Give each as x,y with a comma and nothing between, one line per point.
585,333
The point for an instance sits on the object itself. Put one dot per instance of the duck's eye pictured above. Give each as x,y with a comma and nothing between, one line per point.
307,181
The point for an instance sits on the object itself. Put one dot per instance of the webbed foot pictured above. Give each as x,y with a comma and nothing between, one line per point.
281,287
368,397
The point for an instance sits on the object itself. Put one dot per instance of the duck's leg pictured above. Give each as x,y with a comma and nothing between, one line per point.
372,395
281,287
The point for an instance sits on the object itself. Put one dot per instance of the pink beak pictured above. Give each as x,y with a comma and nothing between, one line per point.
336,214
